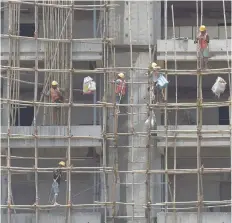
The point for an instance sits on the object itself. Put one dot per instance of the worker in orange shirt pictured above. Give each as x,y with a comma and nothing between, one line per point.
120,90
56,95
203,44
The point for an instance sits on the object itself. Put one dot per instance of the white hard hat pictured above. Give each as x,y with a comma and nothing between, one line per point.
54,83
121,75
155,66
62,163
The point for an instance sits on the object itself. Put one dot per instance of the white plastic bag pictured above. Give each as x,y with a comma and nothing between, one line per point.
89,86
151,122
219,87
162,82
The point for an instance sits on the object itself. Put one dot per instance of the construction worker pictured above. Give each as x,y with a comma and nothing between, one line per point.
154,70
57,97
120,90
57,175
203,46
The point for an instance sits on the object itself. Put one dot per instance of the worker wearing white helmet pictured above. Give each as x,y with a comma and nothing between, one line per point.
57,175
159,81
120,89
203,45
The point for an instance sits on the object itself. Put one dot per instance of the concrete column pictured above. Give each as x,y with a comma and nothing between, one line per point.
140,14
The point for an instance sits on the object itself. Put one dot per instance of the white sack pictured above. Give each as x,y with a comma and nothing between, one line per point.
150,122
89,85
219,87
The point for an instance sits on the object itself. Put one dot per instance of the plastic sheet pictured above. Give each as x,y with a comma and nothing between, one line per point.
151,122
219,87
162,82
89,86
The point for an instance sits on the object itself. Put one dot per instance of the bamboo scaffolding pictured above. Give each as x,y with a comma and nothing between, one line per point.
117,69
168,106
64,71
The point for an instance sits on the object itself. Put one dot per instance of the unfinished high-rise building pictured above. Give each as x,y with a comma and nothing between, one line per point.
164,161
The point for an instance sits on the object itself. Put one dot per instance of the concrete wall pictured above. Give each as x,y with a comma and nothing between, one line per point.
192,218
54,218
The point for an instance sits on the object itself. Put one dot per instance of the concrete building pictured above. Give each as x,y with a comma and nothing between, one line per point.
116,171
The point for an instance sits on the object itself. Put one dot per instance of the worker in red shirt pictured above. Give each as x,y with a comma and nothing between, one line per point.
203,45
120,90
56,95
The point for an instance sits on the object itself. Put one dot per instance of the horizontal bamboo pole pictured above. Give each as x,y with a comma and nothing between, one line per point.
51,70
52,168
87,40
173,72
110,170
47,158
16,136
74,7
112,72
180,171
169,106
97,203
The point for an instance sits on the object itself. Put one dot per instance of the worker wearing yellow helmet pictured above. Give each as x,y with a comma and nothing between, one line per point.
120,90
57,175
203,45
56,95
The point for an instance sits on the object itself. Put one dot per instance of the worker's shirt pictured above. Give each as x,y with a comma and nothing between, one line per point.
120,87
57,174
55,94
155,76
202,38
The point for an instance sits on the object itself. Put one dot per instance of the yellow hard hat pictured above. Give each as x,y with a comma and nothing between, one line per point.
155,66
54,83
202,28
121,75
62,163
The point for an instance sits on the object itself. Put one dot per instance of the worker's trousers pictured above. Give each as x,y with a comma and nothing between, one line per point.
55,188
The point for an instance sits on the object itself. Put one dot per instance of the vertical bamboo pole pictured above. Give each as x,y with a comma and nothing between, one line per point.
104,124
176,114
165,112
35,120
132,108
70,36
150,117
199,128
201,12
230,82
9,195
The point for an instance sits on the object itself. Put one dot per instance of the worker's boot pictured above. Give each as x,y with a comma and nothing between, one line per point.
54,200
